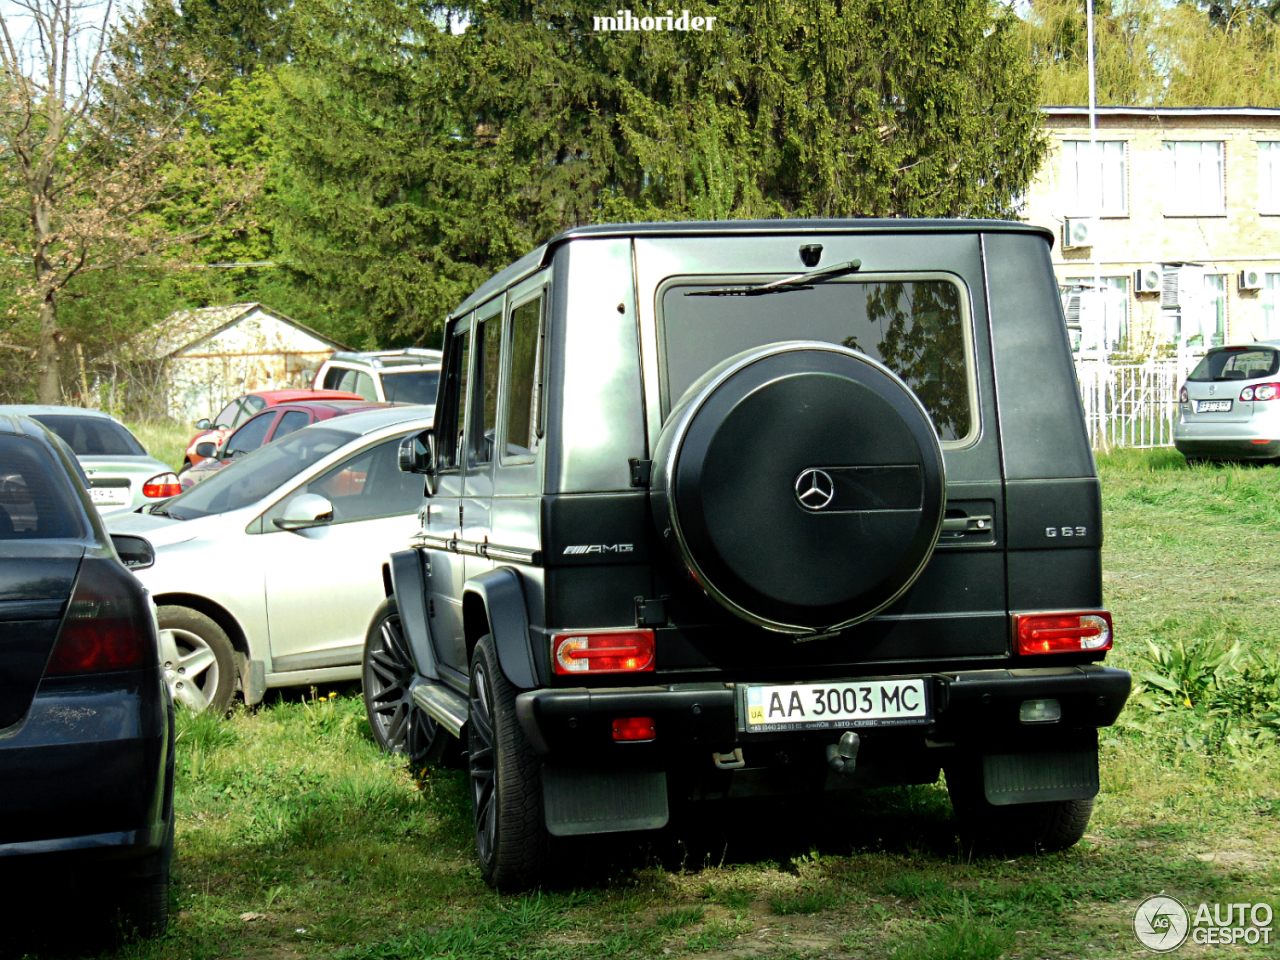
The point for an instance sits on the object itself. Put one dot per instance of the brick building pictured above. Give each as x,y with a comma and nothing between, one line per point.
1180,207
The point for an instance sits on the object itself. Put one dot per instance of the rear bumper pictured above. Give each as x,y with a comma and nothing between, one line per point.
1239,440
1229,449
690,719
89,769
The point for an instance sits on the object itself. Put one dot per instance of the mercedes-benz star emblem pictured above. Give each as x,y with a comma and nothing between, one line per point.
815,489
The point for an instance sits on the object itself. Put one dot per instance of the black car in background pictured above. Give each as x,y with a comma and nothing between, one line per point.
86,723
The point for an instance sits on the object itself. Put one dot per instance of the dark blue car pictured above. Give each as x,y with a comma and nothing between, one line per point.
86,723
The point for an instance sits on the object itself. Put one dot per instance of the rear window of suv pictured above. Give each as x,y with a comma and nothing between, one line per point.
1236,363
915,327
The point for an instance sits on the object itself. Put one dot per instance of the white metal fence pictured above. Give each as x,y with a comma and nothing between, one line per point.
1132,404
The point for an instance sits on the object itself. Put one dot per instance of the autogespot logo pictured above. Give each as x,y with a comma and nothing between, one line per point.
1161,923
815,489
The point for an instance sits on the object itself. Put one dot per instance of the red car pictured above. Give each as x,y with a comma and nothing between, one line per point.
239,410
272,424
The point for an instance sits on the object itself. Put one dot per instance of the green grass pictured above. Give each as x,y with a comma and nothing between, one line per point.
166,440
290,812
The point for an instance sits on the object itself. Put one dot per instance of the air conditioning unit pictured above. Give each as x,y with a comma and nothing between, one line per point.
1148,279
1252,280
1078,233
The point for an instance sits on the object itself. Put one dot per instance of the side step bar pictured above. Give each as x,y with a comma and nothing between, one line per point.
444,706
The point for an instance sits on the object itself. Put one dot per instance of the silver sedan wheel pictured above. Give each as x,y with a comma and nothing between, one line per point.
190,668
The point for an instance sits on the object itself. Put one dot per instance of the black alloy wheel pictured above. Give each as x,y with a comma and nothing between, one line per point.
388,673
506,781
480,764
399,725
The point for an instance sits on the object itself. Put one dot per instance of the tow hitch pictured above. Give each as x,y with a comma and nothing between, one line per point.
842,757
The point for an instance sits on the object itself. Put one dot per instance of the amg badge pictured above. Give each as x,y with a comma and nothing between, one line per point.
598,548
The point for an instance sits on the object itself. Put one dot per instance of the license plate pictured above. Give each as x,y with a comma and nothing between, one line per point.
109,496
836,706
1213,406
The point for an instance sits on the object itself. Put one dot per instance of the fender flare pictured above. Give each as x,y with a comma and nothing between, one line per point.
409,587
503,597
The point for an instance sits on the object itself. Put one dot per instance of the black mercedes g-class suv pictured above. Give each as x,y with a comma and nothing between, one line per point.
729,509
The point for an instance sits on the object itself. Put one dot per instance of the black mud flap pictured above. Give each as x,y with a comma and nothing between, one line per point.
1055,773
581,800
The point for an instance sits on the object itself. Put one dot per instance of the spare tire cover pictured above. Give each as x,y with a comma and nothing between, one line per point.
801,484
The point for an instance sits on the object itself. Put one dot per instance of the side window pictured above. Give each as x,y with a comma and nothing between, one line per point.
484,417
252,405
332,378
524,398
227,414
453,413
250,436
348,381
370,485
291,421
364,386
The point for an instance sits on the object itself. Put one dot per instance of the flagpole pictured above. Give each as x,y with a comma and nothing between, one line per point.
1096,163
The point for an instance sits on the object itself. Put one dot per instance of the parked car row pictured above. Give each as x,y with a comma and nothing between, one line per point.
269,572
125,591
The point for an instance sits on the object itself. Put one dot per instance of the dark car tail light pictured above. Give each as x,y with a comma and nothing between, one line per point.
1261,391
603,651
1183,396
1062,632
107,627
162,485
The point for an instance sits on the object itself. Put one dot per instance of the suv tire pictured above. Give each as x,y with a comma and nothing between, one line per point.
398,724
1016,828
512,841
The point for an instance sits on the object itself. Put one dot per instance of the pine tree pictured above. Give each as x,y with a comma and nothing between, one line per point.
418,161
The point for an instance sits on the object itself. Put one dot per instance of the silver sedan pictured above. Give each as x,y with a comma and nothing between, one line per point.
270,572
122,475
1229,408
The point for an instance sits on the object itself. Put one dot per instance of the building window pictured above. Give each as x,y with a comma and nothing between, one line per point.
1270,303
1268,177
1097,322
1194,178
1204,324
1094,178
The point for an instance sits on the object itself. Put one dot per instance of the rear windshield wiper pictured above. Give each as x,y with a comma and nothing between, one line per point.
801,281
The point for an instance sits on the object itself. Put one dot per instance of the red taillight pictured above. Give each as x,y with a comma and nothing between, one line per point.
1062,632
1261,391
162,485
1183,396
612,651
107,626
634,728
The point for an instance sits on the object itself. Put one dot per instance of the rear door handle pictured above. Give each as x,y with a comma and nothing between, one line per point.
966,525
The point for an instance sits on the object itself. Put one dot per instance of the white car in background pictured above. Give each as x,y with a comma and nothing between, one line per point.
270,572
409,375
122,475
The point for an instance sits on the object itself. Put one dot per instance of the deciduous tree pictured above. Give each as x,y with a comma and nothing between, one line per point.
86,161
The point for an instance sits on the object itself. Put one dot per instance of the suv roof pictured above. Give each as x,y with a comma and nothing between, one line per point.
407,357
538,258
